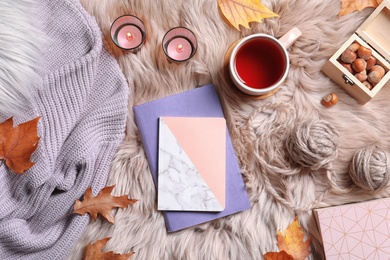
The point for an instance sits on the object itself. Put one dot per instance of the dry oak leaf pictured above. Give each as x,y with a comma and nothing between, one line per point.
282,255
93,251
18,143
244,11
349,6
293,241
102,204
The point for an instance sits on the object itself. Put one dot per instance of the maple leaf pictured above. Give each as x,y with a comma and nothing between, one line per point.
283,255
93,251
293,241
102,204
349,6
18,143
244,11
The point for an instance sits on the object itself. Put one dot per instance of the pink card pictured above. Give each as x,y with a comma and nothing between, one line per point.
356,231
191,164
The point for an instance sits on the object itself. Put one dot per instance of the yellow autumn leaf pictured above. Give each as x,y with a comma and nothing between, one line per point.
293,241
242,12
349,6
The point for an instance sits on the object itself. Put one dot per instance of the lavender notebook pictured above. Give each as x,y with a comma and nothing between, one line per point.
199,102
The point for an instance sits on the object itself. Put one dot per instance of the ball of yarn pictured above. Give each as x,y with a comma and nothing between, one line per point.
313,144
369,168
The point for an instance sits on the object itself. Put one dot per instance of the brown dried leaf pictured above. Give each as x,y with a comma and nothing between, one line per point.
349,6
244,11
18,143
102,204
293,241
93,251
278,256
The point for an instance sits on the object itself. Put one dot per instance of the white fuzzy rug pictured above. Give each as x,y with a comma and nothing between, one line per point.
19,52
258,128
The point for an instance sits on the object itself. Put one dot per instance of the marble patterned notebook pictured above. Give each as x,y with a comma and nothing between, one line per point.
198,102
191,164
356,231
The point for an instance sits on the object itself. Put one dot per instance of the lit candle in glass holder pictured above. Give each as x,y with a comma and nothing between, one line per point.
179,44
128,32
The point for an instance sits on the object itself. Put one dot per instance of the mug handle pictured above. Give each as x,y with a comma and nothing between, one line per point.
290,37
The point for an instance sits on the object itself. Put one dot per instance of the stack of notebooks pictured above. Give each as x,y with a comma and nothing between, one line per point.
191,158
356,231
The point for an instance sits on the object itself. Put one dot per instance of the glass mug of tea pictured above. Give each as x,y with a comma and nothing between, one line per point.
259,63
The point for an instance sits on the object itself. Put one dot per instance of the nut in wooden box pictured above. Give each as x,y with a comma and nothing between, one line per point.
373,34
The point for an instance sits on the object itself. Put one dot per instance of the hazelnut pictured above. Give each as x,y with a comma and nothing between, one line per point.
376,74
374,77
367,84
379,69
348,56
371,61
361,76
364,52
354,46
329,100
359,65
348,66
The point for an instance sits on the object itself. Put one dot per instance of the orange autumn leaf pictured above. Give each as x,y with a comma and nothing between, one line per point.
93,251
102,204
18,143
278,256
293,241
349,6
244,11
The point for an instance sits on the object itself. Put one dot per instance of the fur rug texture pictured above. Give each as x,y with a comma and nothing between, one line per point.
259,128
279,189
19,51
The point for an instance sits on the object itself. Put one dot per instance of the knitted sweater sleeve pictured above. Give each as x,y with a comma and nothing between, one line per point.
82,99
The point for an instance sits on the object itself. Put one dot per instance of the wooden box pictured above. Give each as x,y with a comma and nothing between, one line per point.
374,33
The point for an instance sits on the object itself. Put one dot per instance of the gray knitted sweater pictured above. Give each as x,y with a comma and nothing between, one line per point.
82,99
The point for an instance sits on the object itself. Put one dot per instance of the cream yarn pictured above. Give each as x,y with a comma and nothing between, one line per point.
369,168
313,144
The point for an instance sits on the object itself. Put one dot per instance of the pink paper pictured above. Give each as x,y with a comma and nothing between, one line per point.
192,164
356,231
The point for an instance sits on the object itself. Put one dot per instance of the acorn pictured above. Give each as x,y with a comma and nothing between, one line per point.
329,100
364,52
348,56
359,65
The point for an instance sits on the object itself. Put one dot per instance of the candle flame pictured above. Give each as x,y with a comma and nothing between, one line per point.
179,48
129,36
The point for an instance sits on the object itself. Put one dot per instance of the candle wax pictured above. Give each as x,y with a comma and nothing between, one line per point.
179,49
129,36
